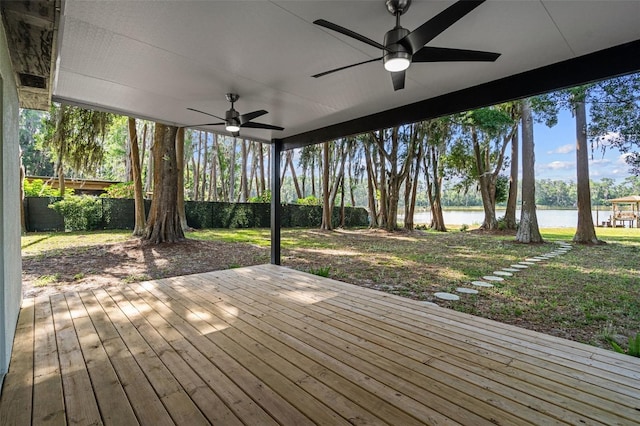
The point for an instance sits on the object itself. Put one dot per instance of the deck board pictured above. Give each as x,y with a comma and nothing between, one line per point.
269,345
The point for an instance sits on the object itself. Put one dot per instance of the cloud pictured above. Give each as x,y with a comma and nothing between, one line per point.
622,159
599,162
558,165
564,149
607,140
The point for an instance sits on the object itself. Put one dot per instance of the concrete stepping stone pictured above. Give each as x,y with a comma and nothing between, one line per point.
518,266
430,304
512,269
466,290
526,263
447,296
533,259
502,273
481,284
540,258
492,278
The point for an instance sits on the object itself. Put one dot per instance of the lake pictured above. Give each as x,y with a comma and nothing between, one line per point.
546,218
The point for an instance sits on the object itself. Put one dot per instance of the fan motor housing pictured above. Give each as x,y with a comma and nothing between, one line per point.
395,49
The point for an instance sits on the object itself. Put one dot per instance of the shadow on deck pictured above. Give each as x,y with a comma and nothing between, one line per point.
269,345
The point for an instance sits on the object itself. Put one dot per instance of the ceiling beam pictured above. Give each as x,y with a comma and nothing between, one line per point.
611,62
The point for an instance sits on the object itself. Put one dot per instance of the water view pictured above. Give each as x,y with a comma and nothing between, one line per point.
546,218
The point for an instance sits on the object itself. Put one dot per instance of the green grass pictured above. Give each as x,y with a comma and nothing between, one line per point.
586,295
39,242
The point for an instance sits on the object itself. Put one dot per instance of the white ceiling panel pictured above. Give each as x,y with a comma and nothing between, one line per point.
155,59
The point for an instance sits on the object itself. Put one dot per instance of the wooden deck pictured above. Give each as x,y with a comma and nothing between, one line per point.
268,345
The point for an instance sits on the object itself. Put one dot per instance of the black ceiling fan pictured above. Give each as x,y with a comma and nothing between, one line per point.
233,121
402,47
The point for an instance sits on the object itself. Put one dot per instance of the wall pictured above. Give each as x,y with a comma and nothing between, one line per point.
10,261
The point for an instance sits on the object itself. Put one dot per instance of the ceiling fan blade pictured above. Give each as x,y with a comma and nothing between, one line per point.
253,125
244,118
348,33
322,74
443,54
398,80
206,124
426,32
205,113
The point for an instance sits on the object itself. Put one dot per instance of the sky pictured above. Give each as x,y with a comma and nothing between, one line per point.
556,154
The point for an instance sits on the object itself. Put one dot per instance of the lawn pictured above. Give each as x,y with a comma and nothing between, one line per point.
584,295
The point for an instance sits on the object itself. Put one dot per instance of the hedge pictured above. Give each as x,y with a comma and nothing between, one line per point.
118,213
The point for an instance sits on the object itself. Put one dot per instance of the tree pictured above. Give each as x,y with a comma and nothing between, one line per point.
528,231
140,219
36,160
512,200
585,231
438,134
76,136
615,116
164,224
180,184
397,148
486,135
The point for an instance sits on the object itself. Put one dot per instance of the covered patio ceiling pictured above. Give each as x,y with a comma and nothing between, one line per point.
154,60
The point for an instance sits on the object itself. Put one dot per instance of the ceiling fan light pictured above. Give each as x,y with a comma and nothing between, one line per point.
232,128
396,64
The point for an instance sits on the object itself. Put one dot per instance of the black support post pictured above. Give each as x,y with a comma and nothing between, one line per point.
276,150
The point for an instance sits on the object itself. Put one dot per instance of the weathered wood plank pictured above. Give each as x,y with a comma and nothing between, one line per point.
174,398
80,402
112,400
48,399
268,345
16,403
145,402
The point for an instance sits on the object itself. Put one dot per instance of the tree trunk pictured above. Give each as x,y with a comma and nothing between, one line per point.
138,195
512,201
294,176
371,188
327,208
23,223
196,172
261,167
528,231
180,171
585,231
212,168
411,192
434,187
244,183
205,161
232,171
484,182
164,222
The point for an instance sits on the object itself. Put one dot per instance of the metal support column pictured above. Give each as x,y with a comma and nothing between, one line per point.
276,150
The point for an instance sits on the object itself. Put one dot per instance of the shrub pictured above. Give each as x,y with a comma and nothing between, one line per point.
309,200
80,213
37,188
633,346
119,190
322,271
264,198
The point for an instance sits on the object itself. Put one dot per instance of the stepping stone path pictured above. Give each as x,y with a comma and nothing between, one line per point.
504,272
447,296
481,284
492,278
